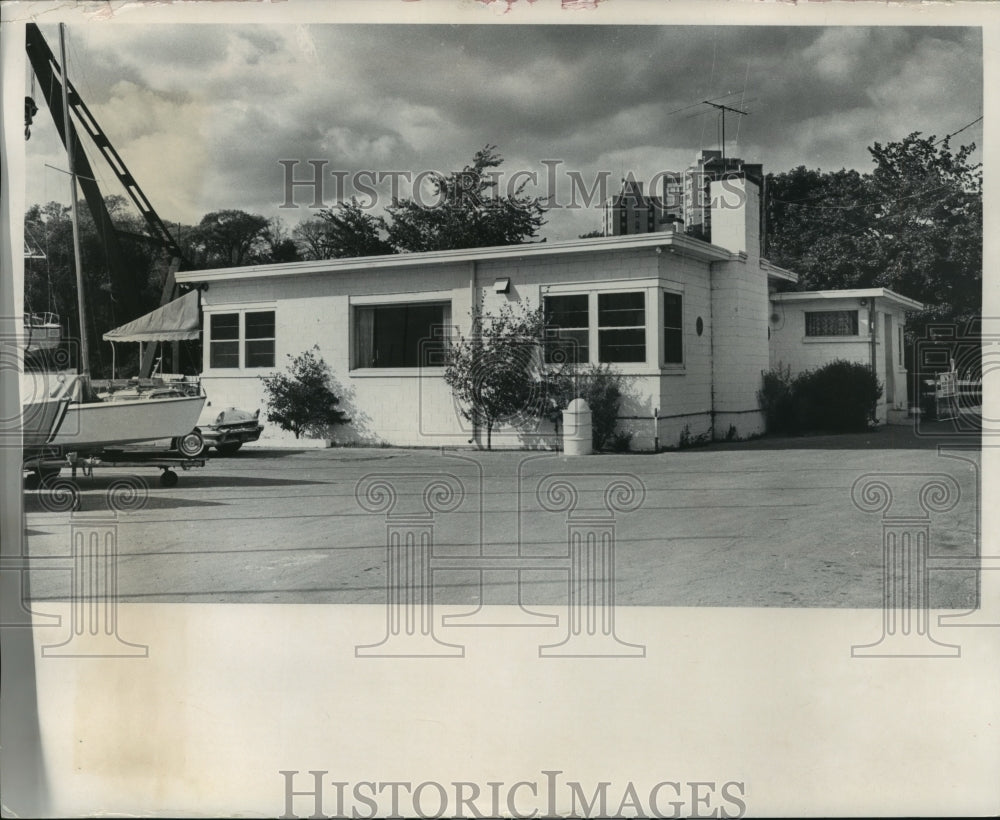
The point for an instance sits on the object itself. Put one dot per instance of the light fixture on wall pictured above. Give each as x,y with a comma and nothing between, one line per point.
502,286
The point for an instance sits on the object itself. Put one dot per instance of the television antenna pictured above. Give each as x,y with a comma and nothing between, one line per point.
723,109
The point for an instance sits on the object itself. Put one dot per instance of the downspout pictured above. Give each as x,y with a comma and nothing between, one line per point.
872,341
474,314
711,351
871,335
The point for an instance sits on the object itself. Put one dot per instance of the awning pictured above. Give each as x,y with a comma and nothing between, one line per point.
174,321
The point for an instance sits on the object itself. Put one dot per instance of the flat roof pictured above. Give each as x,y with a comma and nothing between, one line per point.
855,293
681,243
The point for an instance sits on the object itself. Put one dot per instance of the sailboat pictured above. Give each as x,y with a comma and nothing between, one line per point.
83,421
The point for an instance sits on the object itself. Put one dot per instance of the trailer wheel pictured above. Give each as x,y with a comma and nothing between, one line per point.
191,445
168,478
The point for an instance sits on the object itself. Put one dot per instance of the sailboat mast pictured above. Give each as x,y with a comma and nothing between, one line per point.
80,301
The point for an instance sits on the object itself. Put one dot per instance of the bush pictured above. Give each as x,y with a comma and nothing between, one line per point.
775,397
840,396
602,387
302,399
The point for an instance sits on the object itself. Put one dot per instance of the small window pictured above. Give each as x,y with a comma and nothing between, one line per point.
224,340
404,335
259,335
832,323
673,331
569,318
621,322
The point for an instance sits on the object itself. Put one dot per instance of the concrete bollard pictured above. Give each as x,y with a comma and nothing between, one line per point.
577,429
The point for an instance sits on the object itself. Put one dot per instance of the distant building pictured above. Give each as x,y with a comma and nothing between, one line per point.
684,203
632,211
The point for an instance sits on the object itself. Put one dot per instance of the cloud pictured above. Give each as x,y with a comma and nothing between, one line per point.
202,114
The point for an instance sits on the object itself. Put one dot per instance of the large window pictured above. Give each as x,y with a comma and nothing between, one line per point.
621,322
832,323
224,339
569,318
400,335
673,329
594,327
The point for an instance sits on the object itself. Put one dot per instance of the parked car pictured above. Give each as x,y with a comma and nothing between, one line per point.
229,429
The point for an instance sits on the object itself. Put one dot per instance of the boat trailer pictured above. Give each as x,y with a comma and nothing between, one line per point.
46,467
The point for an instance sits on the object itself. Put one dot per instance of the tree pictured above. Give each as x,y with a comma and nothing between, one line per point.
230,237
347,231
302,399
914,224
280,247
591,234
497,373
467,210
50,274
312,239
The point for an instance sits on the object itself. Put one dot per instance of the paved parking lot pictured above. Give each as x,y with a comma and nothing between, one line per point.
763,523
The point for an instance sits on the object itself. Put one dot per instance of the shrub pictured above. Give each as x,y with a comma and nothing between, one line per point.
840,396
302,400
776,400
602,387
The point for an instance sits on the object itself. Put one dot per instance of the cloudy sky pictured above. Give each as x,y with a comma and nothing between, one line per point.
202,114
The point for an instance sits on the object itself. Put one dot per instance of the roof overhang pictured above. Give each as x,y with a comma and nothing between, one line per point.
779,274
678,243
857,293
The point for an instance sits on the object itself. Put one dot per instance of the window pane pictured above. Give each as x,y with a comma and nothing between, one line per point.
832,323
673,346
224,354
259,353
621,309
672,310
224,326
567,319
567,311
623,345
673,333
260,325
570,346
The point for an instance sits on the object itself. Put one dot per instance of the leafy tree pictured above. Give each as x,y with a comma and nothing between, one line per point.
230,237
312,239
496,373
50,272
347,230
914,224
302,399
468,210
280,247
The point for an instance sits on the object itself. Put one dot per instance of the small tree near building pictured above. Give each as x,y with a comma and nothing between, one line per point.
497,373
302,399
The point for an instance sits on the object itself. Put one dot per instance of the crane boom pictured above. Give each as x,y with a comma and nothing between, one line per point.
124,290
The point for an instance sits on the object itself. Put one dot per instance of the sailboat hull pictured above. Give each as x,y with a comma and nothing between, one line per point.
45,398
90,426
